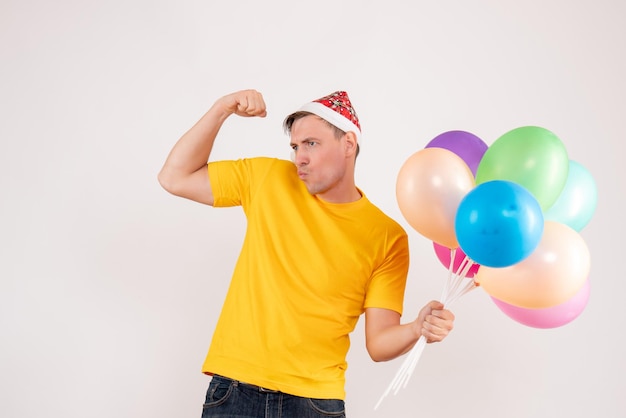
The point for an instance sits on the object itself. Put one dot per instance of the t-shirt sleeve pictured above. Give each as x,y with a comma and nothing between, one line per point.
228,182
236,182
388,283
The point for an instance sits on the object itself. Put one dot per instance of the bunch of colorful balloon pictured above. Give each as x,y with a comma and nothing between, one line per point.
513,210
505,217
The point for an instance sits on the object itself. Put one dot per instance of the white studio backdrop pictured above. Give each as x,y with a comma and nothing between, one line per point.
110,287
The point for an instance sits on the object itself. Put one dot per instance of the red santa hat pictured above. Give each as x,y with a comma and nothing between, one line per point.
337,110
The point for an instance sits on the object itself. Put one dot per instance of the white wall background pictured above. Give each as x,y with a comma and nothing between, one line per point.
110,287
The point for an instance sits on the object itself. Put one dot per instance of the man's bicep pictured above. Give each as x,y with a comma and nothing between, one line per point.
379,319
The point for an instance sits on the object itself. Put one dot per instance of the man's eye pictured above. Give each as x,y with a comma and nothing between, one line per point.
311,144
294,147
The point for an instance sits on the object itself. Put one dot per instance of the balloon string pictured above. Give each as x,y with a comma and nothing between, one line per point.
403,374
469,286
450,294
461,274
450,274
457,279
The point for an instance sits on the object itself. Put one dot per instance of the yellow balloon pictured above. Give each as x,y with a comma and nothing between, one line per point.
429,188
552,274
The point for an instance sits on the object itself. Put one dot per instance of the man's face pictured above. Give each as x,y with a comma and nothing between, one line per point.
319,156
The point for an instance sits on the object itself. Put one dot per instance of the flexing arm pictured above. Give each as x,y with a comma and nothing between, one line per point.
387,339
184,173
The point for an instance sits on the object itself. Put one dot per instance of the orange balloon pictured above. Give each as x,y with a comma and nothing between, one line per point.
552,274
429,188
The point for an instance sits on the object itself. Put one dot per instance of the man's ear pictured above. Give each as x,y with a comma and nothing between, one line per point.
351,143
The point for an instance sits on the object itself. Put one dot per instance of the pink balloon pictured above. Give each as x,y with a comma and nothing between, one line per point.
444,254
552,317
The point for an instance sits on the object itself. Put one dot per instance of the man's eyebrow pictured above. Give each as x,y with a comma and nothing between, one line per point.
303,140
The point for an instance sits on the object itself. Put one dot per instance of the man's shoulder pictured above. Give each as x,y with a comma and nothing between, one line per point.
383,219
269,162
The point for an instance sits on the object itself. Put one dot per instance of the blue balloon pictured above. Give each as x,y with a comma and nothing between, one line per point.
498,223
577,202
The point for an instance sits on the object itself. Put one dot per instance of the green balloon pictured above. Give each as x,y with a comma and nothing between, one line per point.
530,156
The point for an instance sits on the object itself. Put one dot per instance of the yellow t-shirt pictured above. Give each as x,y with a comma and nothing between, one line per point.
306,272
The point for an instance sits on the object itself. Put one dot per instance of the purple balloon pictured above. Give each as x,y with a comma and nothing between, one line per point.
464,144
551,317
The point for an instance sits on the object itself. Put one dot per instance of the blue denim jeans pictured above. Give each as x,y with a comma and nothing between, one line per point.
227,398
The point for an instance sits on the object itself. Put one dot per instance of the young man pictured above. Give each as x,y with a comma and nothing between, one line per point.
316,255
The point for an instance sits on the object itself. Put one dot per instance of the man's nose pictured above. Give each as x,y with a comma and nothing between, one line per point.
299,158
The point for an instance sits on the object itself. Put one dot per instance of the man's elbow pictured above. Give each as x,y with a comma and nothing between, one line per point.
376,354
166,181
172,181
194,187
